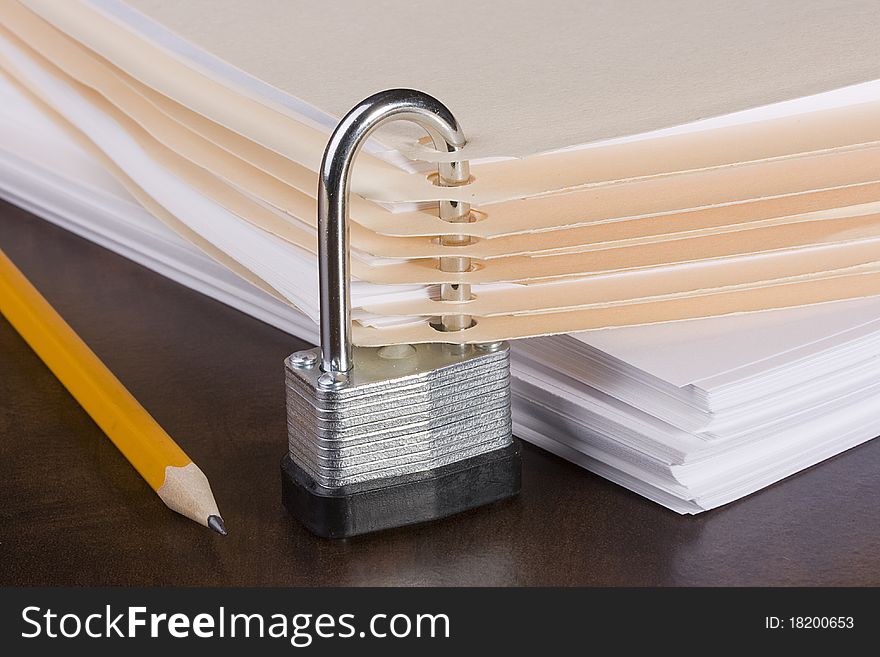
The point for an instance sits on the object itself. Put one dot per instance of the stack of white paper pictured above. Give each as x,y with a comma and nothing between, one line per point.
697,414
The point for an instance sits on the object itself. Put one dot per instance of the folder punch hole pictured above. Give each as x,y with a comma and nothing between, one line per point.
382,437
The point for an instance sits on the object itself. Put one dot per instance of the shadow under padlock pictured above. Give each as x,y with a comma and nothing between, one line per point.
391,436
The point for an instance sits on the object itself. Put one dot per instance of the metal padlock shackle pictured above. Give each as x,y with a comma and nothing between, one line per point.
333,189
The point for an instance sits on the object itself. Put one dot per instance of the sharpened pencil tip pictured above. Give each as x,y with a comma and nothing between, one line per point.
216,523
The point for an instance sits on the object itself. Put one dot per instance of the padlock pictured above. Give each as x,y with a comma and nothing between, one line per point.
397,435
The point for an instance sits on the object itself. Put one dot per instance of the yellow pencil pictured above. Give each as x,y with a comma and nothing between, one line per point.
166,468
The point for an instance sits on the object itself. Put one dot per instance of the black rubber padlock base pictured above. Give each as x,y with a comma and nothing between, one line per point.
403,500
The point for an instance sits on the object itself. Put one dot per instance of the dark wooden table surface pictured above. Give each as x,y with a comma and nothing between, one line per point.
72,511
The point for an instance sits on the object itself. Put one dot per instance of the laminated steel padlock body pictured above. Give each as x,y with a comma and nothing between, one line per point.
436,405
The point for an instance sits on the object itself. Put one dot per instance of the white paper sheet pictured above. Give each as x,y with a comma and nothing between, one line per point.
685,353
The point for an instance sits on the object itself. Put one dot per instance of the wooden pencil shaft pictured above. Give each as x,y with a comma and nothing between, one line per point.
131,428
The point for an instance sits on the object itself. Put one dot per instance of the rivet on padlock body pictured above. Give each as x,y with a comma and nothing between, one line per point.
380,438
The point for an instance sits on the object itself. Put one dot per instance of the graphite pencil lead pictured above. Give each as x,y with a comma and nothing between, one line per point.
216,523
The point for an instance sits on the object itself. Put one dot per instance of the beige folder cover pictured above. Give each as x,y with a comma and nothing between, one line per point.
275,128
555,73
776,213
